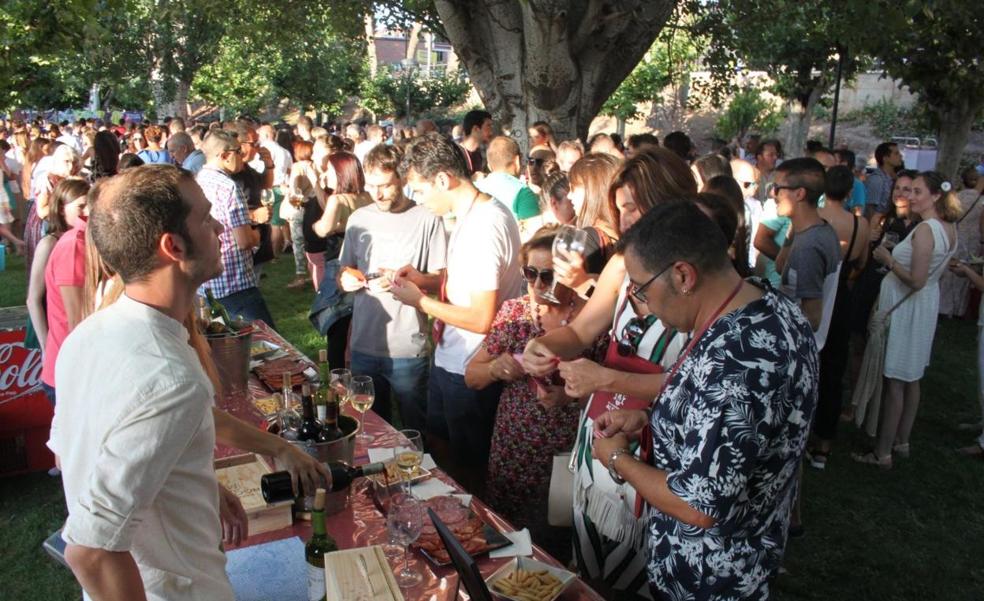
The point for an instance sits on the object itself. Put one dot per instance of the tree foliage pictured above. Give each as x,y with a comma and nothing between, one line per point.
934,47
749,109
387,93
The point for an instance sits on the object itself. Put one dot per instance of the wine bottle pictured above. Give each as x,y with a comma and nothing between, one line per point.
315,549
323,396
287,423
276,486
310,428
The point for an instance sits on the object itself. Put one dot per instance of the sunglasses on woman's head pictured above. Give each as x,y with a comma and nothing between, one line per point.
532,273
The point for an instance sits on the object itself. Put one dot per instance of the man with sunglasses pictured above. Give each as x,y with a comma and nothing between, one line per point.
503,182
237,286
810,257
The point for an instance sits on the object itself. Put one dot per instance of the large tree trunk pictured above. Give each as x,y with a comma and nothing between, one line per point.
370,23
955,124
170,100
548,59
798,122
413,39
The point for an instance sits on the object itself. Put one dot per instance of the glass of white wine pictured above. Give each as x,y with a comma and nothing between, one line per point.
408,457
340,382
361,396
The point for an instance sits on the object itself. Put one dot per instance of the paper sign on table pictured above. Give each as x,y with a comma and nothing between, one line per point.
522,544
430,488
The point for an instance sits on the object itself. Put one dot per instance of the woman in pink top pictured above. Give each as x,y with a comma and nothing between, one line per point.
64,278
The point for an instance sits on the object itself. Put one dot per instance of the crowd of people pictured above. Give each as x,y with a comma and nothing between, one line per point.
673,375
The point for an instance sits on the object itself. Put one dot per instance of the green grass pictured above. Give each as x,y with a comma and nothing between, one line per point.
913,532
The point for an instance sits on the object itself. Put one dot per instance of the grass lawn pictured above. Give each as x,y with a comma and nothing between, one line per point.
913,532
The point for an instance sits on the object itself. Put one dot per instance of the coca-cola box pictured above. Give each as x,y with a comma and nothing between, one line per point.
25,412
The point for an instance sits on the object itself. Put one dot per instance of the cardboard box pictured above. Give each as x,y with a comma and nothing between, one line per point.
241,474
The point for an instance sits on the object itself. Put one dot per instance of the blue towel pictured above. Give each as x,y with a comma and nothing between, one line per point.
275,570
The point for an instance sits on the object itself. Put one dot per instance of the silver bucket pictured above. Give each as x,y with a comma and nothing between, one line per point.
342,450
231,356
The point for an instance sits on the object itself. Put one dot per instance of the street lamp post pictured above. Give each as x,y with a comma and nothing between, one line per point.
409,65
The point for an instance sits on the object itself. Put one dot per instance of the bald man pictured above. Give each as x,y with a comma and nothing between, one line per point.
747,177
503,182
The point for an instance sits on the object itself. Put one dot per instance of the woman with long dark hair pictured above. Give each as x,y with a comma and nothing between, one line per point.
105,155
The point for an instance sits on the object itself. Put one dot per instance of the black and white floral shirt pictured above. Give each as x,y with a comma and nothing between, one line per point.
730,430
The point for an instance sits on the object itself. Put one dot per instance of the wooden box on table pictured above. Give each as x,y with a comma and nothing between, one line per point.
241,474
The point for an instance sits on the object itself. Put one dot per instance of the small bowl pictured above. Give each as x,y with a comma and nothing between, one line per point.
525,563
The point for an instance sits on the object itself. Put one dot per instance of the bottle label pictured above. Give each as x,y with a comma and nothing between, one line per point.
317,590
322,412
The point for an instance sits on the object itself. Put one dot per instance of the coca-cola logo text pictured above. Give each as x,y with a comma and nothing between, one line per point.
20,368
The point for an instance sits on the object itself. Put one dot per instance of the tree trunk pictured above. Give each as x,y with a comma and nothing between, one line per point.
538,60
370,23
413,39
798,122
955,124
170,101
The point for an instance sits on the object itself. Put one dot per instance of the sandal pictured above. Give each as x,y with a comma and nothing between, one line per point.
818,459
871,459
902,450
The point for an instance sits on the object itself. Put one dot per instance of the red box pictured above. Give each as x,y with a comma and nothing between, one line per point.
25,412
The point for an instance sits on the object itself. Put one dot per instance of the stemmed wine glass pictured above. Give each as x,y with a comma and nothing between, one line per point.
568,241
388,497
361,396
408,458
340,383
889,240
404,522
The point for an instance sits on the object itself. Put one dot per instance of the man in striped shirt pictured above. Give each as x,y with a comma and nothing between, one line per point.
237,286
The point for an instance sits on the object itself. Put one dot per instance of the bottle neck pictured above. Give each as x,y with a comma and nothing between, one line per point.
331,413
307,407
318,523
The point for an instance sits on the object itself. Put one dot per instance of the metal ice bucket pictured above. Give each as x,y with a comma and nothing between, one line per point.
342,450
231,355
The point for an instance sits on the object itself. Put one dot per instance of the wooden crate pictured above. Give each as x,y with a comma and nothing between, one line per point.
241,474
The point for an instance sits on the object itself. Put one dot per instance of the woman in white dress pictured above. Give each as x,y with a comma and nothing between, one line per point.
915,266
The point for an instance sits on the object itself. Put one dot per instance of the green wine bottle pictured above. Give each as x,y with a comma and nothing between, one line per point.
218,310
315,549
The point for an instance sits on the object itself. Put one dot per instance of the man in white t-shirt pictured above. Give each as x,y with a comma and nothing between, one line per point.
374,137
482,271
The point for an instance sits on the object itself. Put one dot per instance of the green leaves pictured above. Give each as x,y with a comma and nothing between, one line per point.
749,109
387,93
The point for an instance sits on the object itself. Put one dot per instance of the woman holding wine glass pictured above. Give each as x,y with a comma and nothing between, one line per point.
535,419
606,521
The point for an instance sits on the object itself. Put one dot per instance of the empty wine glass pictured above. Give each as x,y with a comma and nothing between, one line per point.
361,396
404,521
568,242
408,457
388,496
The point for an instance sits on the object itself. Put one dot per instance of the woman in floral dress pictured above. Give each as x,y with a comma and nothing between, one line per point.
536,419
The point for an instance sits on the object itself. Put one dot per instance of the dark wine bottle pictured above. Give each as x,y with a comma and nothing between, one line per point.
330,430
319,544
276,486
323,396
310,428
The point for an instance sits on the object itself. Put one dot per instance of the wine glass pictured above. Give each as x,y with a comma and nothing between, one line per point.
388,496
340,380
568,241
361,396
408,458
404,522
889,240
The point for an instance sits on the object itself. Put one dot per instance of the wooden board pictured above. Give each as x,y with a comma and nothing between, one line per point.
241,474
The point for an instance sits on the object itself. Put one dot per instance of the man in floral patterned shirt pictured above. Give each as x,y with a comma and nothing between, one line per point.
731,423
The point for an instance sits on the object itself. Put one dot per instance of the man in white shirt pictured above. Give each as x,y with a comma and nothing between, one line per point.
134,428
374,137
282,163
482,271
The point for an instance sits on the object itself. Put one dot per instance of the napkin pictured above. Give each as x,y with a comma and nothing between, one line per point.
430,488
522,544
465,499
384,454
428,463
274,570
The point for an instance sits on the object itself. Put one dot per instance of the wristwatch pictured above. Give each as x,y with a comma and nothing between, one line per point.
611,465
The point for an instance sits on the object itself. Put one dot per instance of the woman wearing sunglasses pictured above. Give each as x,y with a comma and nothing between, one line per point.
536,418
607,519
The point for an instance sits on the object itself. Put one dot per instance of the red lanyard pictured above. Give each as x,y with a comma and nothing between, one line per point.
696,337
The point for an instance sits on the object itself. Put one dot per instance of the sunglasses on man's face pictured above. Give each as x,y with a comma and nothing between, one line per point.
535,161
530,274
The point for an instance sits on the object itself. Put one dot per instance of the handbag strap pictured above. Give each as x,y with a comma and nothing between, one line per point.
913,290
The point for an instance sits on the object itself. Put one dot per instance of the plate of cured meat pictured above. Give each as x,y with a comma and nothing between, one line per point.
475,535
272,372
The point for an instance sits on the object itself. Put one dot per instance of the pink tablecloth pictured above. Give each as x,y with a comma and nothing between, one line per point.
360,523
